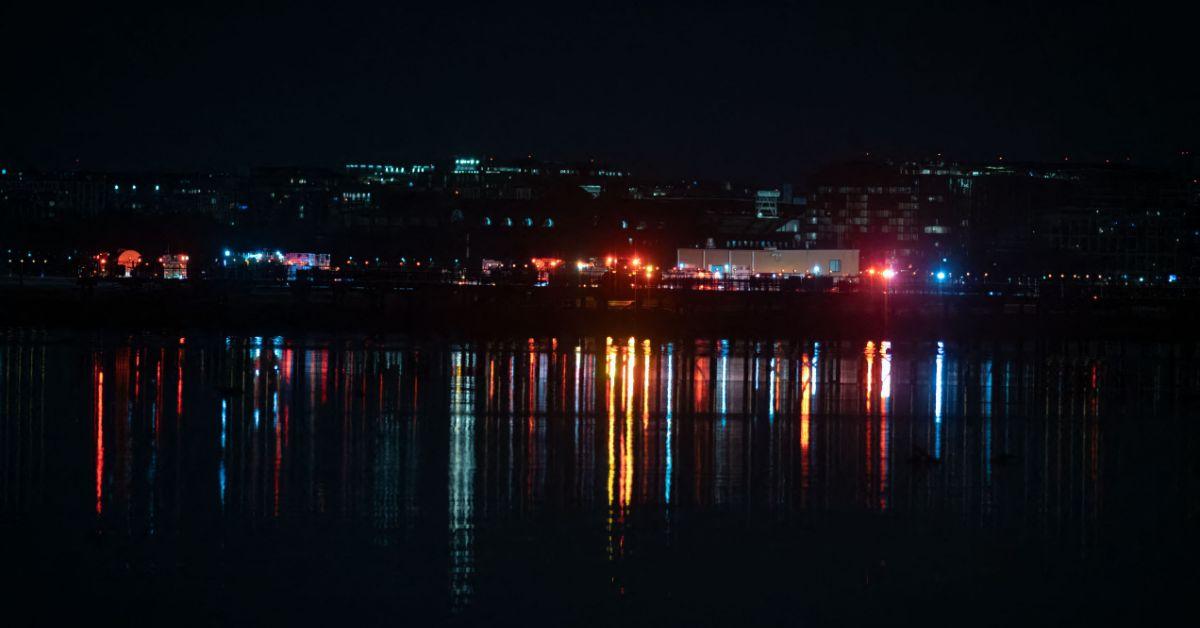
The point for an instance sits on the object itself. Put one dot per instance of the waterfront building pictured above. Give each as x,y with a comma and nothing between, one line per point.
174,265
749,262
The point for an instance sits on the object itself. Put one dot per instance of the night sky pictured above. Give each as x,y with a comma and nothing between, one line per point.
720,91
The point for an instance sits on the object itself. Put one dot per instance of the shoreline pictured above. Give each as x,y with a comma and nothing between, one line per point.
488,311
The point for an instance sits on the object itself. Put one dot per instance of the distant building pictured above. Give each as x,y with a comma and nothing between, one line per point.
174,265
412,176
871,206
129,259
796,262
1108,219
305,261
766,203
301,196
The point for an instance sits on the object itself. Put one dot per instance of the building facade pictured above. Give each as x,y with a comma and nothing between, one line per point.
794,262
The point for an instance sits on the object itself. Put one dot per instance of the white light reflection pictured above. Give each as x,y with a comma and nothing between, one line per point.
815,357
885,370
722,374
575,416
462,479
771,391
885,394
578,360
224,431
986,374
938,383
670,385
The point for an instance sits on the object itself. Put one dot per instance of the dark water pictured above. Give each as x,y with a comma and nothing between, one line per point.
570,481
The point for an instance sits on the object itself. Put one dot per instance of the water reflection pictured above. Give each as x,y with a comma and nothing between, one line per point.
462,476
254,430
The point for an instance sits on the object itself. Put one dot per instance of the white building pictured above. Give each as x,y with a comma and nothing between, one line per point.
830,262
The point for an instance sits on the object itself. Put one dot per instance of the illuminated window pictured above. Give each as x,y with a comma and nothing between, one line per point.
835,265
466,165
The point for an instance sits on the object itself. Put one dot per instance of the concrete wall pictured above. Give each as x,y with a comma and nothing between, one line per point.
784,262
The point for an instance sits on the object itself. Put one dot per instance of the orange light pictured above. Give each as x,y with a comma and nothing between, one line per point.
610,260
637,261
870,271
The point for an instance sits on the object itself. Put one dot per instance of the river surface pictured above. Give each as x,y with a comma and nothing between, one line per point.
341,480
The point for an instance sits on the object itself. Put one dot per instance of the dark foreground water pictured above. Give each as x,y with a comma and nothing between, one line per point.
594,481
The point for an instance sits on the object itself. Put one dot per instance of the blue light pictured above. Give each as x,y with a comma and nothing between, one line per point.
941,275
1172,278
228,252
